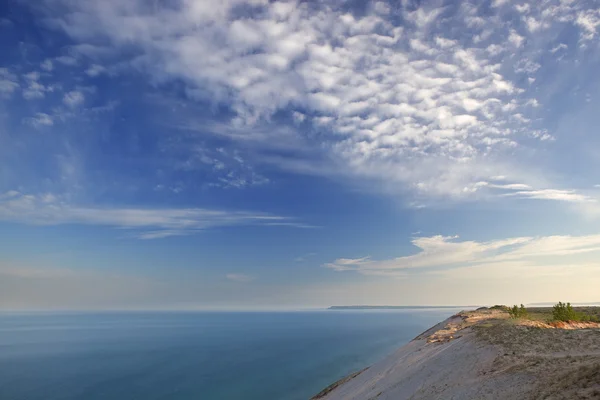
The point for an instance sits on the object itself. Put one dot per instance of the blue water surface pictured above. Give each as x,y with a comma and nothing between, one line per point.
195,355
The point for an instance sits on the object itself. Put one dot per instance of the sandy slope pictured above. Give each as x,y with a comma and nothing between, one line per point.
473,356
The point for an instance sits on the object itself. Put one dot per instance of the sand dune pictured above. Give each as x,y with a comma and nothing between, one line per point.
483,355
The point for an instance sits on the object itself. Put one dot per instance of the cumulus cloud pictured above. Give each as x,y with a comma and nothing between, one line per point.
446,252
150,223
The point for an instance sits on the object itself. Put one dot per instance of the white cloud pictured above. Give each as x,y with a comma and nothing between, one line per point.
8,82
40,120
151,223
553,194
448,253
522,8
239,277
560,46
511,186
95,70
67,60
73,98
589,21
34,89
516,39
499,3
47,65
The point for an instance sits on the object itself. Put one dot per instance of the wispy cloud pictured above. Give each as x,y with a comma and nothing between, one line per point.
553,194
149,223
449,253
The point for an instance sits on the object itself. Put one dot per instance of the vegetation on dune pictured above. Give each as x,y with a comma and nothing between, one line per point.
560,312
565,312
518,312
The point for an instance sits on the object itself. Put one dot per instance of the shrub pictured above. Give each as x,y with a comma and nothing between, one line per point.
523,311
564,312
518,312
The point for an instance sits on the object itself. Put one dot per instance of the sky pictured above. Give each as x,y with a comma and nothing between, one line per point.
253,154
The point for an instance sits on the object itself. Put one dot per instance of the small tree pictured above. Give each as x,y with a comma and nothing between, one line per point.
564,312
514,311
517,312
523,311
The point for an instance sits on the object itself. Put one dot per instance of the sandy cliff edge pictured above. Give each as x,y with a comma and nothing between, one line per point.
483,355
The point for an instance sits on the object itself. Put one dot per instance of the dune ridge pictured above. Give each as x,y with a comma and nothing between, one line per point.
484,354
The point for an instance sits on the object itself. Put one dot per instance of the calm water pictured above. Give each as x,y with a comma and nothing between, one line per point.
204,355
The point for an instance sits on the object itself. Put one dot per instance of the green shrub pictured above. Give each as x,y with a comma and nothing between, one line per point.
523,312
518,312
564,312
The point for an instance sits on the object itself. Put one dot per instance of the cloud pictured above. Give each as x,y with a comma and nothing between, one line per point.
239,277
34,89
40,120
553,194
149,223
516,39
67,60
589,21
560,46
446,252
419,105
8,82
95,70
47,65
384,104
225,168
73,98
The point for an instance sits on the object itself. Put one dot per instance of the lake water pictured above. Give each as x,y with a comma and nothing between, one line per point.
195,355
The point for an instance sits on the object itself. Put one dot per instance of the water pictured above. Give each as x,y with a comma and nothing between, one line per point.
203,355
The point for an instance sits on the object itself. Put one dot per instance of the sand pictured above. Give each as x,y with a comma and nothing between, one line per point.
484,355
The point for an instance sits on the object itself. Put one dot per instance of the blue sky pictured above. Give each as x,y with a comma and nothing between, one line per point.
256,154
